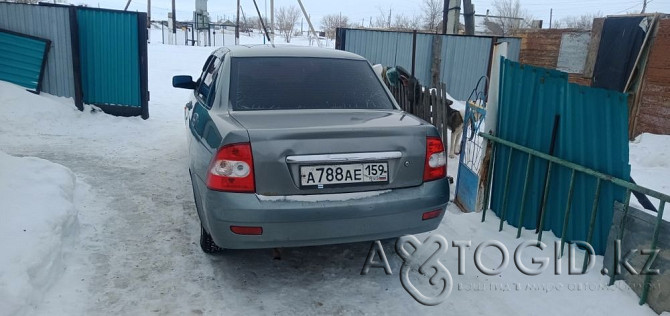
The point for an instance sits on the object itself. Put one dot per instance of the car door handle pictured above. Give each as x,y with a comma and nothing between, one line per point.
194,120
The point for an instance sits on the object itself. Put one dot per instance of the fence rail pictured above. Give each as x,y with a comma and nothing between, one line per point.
600,177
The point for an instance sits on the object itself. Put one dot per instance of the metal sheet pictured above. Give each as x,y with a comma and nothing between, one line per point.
465,59
573,51
52,23
22,59
109,53
529,99
513,47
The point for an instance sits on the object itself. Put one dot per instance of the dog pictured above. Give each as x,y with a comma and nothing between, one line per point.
455,125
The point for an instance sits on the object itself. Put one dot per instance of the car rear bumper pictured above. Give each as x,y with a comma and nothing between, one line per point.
304,220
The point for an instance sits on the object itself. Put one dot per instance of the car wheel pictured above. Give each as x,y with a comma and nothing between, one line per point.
207,243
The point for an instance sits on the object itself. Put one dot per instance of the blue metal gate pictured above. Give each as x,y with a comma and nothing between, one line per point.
468,184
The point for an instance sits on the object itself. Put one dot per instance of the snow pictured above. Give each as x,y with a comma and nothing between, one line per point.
38,220
650,166
135,248
322,197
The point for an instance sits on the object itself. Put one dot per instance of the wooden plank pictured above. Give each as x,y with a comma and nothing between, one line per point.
592,55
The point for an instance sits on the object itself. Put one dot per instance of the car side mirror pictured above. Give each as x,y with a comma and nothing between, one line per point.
184,82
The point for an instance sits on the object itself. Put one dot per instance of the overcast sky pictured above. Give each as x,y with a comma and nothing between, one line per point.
357,10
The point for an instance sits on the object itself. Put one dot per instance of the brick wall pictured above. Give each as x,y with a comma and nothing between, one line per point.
654,110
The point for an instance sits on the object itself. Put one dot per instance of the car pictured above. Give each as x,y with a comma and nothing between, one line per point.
300,146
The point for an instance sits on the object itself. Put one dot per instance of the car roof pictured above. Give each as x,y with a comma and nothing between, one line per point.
286,51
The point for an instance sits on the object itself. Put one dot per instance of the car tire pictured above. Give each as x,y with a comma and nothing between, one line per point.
207,243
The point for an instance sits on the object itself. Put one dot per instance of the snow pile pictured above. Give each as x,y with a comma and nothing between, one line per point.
650,165
38,217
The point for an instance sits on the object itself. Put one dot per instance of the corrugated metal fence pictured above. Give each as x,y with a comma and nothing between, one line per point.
52,23
22,59
592,132
463,59
97,56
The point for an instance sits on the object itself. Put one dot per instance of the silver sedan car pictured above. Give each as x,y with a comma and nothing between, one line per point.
297,146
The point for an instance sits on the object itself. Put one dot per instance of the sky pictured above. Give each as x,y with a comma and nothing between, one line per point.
359,10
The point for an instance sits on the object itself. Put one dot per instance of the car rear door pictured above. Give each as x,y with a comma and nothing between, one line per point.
206,137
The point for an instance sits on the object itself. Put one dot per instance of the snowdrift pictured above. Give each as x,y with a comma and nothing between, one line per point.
38,219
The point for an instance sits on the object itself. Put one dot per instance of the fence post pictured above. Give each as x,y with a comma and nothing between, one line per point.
437,60
413,51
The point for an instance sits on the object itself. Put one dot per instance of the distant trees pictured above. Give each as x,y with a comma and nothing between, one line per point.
331,22
582,22
406,23
286,19
432,14
510,18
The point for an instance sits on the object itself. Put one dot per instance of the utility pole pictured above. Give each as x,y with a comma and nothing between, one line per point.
174,23
309,22
551,15
237,25
389,18
272,21
644,6
149,21
445,16
469,16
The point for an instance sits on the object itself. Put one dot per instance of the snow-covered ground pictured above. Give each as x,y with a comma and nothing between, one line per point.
650,166
136,251
38,222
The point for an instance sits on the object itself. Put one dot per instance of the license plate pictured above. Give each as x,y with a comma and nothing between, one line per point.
343,174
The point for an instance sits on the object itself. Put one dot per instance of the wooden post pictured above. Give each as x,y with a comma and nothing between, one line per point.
437,61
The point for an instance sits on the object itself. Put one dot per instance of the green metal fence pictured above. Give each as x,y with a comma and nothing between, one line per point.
539,109
22,59
575,169
113,52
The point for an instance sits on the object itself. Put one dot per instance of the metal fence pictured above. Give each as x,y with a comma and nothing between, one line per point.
539,109
600,180
570,187
113,52
52,23
461,60
22,59
97,56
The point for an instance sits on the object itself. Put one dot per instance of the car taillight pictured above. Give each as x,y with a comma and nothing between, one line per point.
435,166
232,169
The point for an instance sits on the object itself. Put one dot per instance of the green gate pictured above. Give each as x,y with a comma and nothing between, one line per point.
113,54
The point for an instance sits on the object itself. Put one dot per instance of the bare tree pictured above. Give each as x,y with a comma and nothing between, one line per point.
510,17
331,22
406,23
383,20
582,22
286,18
432,14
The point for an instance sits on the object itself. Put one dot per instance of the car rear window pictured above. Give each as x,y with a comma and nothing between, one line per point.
291,83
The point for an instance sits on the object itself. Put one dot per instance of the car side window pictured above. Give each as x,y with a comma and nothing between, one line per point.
206,83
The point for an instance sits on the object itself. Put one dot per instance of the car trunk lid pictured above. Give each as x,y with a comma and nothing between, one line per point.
283,141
